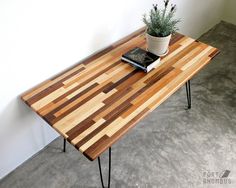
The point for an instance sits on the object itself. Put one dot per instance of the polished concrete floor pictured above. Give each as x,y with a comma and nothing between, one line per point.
171,148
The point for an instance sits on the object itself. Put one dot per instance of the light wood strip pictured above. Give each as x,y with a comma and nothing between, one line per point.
49,98
58,113
79,114
180,63
51,106
208,51
87,131
82,113
183,44
49,83
99,135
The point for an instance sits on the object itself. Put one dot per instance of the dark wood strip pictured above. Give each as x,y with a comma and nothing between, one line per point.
109,118
72,133
158,75
52,88
105,142
121,81
73,90
50,116
92,134
97,146
132,80
44,93
117,95
152,91
118,110
80,103
77,130
145,88
214,53
182,53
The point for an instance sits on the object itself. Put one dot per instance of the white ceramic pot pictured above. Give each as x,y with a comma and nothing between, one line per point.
158,45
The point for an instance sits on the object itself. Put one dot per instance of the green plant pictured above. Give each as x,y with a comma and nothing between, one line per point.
161,23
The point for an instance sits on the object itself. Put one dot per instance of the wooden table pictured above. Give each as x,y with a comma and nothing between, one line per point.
94,103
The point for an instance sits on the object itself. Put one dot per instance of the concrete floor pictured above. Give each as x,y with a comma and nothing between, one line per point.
171,148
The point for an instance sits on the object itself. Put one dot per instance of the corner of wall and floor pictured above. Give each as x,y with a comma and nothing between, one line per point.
36,44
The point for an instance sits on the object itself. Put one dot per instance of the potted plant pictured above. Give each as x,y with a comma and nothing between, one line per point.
160,26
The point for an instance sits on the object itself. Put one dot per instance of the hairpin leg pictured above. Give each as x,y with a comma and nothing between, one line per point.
64,145
109,171
188,92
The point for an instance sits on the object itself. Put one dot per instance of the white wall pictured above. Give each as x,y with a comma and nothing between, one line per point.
40,38
230,11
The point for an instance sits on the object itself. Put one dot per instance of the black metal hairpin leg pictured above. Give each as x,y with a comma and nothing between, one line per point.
188,92
64,145
109,171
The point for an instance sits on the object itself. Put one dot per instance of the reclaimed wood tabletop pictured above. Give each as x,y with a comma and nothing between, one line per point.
95,102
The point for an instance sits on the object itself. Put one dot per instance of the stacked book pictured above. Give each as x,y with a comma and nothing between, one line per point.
141,59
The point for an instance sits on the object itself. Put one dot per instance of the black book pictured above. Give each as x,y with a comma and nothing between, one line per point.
141,58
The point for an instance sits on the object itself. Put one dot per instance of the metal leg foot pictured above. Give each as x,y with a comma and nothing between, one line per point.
188,92
64,145
109,171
